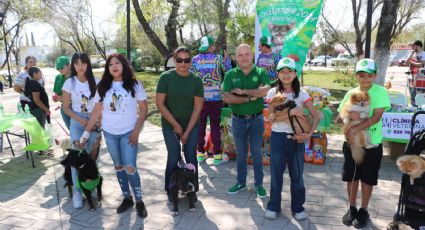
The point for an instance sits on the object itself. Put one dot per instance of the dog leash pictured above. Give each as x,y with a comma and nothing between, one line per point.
57,193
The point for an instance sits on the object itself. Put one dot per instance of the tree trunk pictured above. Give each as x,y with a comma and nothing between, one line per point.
171,27
223,16
153,38
387,21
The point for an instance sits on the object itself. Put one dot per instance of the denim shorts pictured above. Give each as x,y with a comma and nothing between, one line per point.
77,130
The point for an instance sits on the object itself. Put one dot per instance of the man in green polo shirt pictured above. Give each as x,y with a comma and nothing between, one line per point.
63,66
244,88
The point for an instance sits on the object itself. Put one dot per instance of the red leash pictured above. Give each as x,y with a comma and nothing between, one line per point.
64,130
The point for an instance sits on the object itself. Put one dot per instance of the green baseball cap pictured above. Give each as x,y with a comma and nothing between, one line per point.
206,42
366,65
286,63
266,40
61,62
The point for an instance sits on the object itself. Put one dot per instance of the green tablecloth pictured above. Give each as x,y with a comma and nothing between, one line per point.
39,137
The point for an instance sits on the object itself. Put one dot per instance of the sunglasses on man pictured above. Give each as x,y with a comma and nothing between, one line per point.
185,60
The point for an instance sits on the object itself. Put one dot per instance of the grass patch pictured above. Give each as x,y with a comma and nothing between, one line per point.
323,79
149,81
337,85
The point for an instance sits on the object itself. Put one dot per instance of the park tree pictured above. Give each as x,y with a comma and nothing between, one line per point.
358,8
170,27
16,14
395,16
72,20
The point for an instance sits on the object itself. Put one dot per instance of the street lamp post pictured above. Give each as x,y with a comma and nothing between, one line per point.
2,16
368,28
128,31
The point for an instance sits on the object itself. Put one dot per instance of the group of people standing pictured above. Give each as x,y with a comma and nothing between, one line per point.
187,97
90,106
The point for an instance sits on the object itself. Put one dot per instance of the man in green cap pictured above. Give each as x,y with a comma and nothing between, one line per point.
267,59
210,67
63,66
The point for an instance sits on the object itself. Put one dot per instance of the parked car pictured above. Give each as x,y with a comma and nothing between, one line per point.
393,60
320,60
402,61
343,60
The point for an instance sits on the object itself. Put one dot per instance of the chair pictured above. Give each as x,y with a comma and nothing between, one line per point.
420,99
398,98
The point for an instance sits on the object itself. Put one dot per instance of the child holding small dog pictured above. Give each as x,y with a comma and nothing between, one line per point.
287,146
367,172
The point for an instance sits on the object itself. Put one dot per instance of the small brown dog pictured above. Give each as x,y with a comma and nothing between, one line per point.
279,107
412,165
358,102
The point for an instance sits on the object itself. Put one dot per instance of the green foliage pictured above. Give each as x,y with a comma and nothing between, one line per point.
149,81
241,30
347,77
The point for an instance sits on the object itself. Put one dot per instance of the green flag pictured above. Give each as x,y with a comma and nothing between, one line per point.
291,25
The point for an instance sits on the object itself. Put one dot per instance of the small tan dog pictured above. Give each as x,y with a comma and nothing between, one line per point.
412,165
276,114
358,102
65,144
279,106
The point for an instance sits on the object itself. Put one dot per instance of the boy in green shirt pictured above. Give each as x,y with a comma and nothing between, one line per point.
367,172
63,66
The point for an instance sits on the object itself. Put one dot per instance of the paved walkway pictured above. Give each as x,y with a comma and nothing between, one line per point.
34,198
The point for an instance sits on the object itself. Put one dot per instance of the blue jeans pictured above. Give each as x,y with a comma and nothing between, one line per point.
282,151
124,156
76,130
172,142
248,131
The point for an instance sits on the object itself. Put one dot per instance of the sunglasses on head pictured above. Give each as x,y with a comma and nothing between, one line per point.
185,60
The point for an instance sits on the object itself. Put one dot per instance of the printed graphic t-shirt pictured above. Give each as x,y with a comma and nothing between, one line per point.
80,94
269,63
119,114
210,67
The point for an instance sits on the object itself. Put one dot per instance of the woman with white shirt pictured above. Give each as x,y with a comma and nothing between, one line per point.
78,94
118,99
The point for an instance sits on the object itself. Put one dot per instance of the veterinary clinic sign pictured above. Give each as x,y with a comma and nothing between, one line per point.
396,126
290,23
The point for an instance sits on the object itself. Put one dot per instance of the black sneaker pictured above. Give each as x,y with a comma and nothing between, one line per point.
125,205
350,216
141,209
361,218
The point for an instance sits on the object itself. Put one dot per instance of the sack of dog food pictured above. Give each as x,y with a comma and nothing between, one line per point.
319,146
227,141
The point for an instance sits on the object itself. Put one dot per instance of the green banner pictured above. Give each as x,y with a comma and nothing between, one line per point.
291,25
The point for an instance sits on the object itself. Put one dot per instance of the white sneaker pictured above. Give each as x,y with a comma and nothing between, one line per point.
300,216
271,215
77,199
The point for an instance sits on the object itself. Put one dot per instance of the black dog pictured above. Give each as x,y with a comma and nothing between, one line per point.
183,180
88,174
